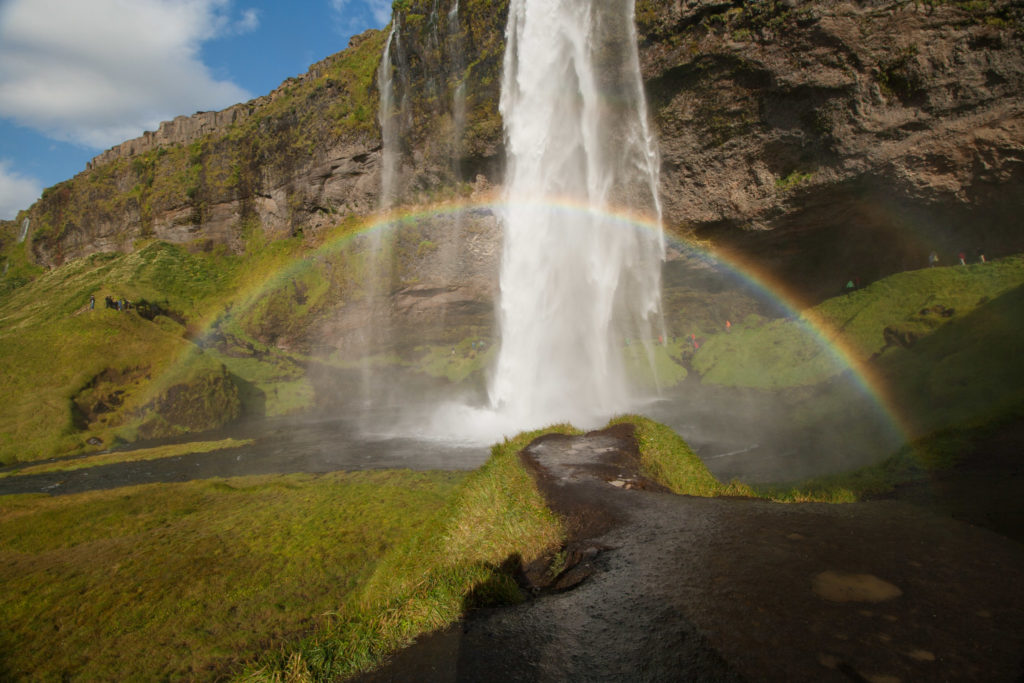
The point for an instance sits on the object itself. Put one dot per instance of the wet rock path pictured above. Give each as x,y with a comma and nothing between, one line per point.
680,588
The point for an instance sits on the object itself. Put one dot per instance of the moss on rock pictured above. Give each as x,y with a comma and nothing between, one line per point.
206,400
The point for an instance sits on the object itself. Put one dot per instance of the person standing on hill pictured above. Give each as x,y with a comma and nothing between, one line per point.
933,258
92,301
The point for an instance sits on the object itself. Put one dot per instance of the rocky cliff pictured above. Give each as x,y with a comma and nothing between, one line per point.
821,140
296,159
832,140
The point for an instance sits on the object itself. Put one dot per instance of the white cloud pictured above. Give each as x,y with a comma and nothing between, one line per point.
100,72
352,14
17,192
249,22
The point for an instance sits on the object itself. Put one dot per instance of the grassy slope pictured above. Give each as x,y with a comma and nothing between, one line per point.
52,345
188,580
967,372
962,365
497,515
784,353
362,562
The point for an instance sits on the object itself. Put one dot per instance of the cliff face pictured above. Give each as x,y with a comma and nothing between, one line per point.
823,140
301,158
833,140
297,159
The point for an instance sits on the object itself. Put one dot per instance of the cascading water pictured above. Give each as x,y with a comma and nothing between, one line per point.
576,282
390,119
390,116
458,67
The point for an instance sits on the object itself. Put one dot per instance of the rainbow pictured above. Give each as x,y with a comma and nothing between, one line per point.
745,272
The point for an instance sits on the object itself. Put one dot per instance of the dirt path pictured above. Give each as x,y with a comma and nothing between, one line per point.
682,588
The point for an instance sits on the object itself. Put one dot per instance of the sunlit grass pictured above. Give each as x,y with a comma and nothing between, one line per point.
666,458
496,516
184,581
52,345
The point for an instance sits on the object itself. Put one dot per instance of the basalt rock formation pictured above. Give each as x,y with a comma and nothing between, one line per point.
821,140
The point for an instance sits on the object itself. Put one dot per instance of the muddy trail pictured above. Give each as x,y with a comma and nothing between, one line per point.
663,587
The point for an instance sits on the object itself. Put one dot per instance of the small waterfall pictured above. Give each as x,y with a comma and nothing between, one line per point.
376,329
458,69
389,118
24,230
453,244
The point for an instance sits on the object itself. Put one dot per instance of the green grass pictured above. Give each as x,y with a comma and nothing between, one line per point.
969,371
52,346
16,268
312,577
666,458
55,352
663,369
496,516
191,580
787,353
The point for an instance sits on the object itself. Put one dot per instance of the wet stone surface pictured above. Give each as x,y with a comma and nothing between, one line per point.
684,588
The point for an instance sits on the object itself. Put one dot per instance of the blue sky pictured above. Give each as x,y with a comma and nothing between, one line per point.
79,76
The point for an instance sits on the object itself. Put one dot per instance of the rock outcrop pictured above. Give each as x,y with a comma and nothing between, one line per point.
296,160
831,140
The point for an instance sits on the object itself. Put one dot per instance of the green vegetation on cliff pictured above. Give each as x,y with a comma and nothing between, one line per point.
121,199
74,373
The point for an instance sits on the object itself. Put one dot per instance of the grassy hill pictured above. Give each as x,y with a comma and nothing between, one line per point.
81,377
942,341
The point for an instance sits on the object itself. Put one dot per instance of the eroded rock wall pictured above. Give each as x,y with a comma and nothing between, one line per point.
830,140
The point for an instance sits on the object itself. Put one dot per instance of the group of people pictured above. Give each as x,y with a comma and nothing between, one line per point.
117,305
692,341
933,257
476,347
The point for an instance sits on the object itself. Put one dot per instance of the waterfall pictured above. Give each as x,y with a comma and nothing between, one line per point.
24,230
458,67
576,279
574,283
376,329
389,119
